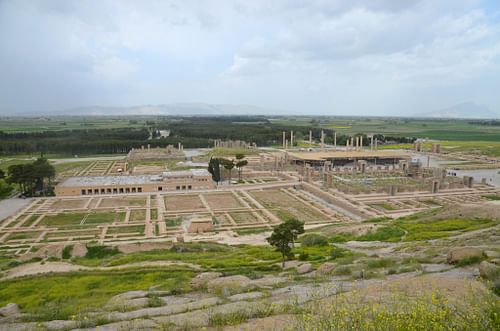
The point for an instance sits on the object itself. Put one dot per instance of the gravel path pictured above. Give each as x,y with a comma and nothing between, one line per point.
9,207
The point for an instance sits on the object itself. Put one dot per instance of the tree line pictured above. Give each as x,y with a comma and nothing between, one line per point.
192,132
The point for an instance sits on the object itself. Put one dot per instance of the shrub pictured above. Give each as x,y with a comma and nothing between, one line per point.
338,252
66,253
154,301
380,263
100,252
314,239
341,237
470,260
303,256
342,271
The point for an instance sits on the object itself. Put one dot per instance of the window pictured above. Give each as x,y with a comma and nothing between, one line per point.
189,187
139,189
160,188
177,188
89,191
127,190
133,190
83,192
183,187
115,190
108,190
96,191
121,190
103,191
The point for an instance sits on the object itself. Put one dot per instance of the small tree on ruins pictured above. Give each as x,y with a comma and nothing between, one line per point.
283,237
228,165
214,169
240,163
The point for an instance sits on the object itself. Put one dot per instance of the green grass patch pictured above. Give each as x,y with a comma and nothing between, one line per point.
434,229
385,233
173,221
72,293
243,232
314,239
492,197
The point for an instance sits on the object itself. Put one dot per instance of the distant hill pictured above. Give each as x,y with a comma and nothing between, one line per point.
462,110
189,109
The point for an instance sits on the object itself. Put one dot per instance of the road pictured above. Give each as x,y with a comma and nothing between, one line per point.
9,207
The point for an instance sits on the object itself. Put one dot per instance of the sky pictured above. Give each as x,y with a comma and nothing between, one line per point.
329,57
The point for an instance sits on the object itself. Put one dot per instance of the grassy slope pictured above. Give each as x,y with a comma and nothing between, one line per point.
69,293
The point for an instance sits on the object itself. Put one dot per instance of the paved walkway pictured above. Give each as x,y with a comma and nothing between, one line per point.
9,207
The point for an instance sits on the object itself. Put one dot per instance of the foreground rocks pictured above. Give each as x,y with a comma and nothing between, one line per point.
227,286
201,280
326,268
10,311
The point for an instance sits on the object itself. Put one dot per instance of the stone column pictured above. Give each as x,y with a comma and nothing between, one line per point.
322,139
284,138
291,139
310,138
335,140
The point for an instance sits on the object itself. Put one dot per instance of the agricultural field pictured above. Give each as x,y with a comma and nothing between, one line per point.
28,124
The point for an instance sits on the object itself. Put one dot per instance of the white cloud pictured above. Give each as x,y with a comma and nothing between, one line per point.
324,55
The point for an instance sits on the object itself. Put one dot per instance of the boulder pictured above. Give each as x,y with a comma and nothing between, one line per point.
268,281
304,268
489,270
492,254
79,250
226,286
201,280
456,255
11,310
123,298
325,268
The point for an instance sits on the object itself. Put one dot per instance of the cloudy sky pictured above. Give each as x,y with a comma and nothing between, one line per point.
377,57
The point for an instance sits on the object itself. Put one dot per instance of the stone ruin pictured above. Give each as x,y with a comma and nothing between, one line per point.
218,143
157,153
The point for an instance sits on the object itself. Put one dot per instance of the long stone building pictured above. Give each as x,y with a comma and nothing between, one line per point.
185,180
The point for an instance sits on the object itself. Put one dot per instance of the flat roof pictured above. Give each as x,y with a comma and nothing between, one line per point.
110,180
190,172
129,179
341,154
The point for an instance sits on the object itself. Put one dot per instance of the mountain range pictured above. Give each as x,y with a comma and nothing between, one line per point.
462,110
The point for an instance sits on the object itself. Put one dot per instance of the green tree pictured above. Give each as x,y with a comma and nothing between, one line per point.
283,237
214,169
2,174
296,226
228,165
43,170
240,163
31,176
